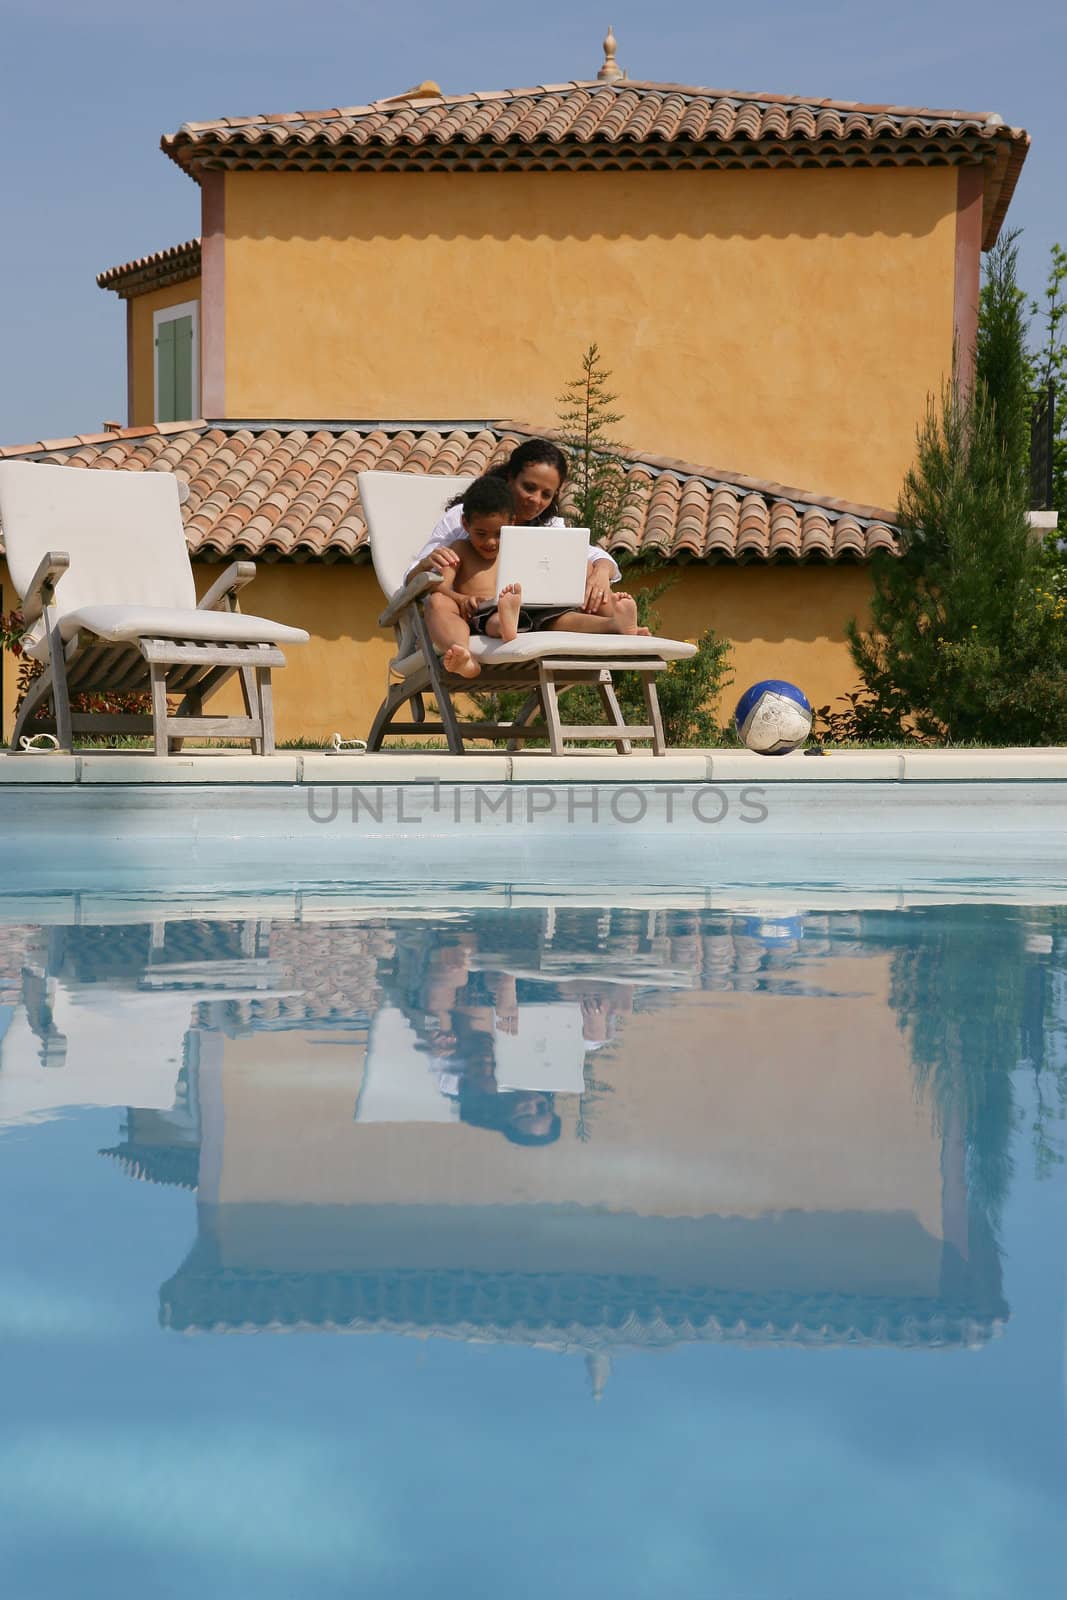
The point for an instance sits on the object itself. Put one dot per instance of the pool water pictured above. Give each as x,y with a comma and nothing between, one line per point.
661,1248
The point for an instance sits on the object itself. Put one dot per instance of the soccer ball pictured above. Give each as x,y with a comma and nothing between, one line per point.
773,717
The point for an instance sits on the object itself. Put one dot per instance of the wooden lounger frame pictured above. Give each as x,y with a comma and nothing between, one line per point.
190,668
544,678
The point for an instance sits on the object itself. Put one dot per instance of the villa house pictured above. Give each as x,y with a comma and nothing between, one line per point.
777,284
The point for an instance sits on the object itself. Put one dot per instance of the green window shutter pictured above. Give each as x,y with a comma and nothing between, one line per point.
174,370
183,369
165,373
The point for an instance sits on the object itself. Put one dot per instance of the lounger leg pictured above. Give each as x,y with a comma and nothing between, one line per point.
648,683
610,701
253,708
158,676
450,720
266,709
394,699
192,706
550,699
444,700
39,692
526,710
60,696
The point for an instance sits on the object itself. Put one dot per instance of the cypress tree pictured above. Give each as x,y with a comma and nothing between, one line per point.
967,641
1002,363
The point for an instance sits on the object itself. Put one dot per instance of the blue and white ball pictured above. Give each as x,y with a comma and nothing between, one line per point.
773,717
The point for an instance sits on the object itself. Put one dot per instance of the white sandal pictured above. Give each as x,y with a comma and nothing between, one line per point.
339,747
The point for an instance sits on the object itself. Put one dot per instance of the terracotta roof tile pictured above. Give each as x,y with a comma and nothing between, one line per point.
288,492
173,265
630,124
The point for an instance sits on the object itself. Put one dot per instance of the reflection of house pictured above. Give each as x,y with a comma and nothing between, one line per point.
771,1179
751,1162
385,285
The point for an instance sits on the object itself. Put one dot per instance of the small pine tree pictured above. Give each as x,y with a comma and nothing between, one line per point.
968,641
598,487
1002,364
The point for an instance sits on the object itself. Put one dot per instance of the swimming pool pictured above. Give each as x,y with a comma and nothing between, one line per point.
489,1238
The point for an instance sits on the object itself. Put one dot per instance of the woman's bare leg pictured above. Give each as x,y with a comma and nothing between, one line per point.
451,635
582,622
618,614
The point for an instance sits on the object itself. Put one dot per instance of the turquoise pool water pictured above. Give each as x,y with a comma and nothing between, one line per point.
523,1245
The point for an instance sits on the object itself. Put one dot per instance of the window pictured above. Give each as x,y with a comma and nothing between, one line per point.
177,362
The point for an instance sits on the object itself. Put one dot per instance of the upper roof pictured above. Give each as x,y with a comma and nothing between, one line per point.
173,265
288,491
563,1310
588,125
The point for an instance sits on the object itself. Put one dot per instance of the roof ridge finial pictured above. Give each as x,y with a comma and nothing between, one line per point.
611,69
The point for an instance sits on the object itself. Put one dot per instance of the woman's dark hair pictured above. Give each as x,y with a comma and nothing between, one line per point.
487,496
494,1111
531,453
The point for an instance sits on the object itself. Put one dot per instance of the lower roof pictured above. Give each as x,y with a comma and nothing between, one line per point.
287,491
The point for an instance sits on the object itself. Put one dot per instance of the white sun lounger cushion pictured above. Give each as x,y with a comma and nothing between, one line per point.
532,646
162,622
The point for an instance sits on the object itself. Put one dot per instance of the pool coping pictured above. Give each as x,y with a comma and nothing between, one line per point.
304,767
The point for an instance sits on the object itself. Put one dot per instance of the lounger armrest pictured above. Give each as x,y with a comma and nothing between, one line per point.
420,585
235,577
42,584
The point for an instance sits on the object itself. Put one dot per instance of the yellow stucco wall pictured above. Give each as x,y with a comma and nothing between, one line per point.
143,409
839,1132
787,324
782,622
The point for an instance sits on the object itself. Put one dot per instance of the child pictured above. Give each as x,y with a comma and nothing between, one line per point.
465,601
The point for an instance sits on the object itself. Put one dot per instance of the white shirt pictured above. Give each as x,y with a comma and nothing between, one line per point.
450,528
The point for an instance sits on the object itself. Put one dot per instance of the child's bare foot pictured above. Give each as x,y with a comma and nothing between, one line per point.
646,633
458,659
626,614
508,603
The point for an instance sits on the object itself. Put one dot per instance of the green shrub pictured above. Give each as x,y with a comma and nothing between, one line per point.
969,639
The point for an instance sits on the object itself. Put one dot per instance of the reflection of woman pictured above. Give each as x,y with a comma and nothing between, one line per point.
484,1006
488,1033
523,1117
536,472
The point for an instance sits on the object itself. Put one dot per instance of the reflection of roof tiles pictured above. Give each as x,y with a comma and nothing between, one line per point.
289,492
175,1165
589,125
557,1310
333,970
173,265
16,943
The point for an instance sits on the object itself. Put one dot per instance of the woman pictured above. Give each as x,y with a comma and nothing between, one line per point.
536,472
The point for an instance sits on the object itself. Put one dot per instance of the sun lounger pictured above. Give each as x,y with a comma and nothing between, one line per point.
400,508
100,562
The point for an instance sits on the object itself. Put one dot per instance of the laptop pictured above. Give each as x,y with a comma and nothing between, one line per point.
547,1053
549,563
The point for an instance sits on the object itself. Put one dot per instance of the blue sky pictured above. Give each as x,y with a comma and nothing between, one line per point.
89,90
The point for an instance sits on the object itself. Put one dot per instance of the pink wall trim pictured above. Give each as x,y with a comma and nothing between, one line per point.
129,364
969,195
213,295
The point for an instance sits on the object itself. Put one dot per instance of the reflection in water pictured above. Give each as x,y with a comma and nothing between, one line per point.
575,1128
